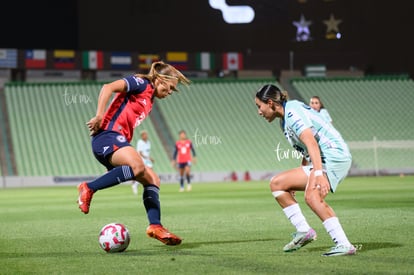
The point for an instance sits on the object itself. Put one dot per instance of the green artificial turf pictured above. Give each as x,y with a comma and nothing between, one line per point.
227,228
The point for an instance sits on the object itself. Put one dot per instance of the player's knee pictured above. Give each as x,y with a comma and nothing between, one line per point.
312,199
275,183
138,169
148,177
156,180
276,187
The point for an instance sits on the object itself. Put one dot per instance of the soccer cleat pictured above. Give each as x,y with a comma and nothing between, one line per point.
300,239
341,250
189,187
160,233
181,189
85,197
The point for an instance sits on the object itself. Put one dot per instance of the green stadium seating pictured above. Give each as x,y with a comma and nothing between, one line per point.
221,119
50,137
49,132
368,109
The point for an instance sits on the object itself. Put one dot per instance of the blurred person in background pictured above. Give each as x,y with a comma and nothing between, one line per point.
316,104
183,157
144,150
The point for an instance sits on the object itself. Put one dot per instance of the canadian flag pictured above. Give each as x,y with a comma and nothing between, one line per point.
232,61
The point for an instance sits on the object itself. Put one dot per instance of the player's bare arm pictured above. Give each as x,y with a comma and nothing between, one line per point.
316,181
105,95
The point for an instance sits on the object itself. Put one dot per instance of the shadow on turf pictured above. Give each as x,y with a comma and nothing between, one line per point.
191,245
361,247
198,244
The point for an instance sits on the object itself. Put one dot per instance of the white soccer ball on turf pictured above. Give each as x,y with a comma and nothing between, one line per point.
114,237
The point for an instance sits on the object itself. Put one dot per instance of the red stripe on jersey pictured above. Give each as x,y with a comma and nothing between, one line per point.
127,111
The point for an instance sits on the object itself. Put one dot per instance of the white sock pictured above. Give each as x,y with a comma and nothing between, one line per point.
295,216
334,228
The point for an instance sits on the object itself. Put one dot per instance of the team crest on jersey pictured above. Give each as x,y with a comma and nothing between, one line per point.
121,138
139,80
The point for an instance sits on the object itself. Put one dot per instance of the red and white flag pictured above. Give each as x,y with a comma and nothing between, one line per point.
232,61
35,59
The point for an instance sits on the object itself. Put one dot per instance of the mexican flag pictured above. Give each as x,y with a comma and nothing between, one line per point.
92,60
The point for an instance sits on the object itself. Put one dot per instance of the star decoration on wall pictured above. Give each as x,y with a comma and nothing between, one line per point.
332,30
302,32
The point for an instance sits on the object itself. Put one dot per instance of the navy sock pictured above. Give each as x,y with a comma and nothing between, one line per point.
182,182
189,179
113,177
152,203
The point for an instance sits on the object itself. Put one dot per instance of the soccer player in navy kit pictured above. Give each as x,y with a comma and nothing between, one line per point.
328,161
112,129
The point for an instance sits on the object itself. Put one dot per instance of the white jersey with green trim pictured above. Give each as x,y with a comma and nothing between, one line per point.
298,117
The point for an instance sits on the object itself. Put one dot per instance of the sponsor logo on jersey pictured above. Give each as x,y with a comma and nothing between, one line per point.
139,119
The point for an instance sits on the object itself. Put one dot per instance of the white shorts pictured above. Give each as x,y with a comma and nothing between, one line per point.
147,163
335,170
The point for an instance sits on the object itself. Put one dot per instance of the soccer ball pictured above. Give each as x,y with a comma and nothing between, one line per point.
114,237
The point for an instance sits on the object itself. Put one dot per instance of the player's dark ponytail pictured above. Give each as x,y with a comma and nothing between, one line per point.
272,92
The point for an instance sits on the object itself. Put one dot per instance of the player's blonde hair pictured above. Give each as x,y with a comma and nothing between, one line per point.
165,71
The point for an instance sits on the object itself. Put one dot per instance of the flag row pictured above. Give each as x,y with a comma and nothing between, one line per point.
116,60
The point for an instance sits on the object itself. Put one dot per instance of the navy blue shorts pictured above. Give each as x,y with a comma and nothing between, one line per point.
182,165
105,143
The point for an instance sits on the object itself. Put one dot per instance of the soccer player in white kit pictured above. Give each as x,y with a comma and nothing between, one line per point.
326,163
144,149
316,104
